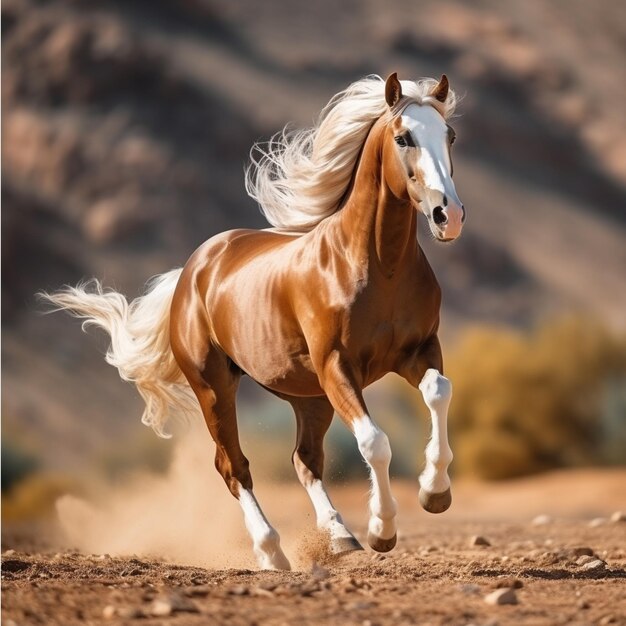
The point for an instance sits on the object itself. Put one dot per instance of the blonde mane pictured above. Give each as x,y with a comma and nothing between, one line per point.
299,176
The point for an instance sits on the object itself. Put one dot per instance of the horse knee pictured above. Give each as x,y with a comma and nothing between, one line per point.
373,443
436,390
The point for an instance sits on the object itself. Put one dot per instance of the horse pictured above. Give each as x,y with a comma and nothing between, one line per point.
335,295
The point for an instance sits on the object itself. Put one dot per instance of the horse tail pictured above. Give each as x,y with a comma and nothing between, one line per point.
140,341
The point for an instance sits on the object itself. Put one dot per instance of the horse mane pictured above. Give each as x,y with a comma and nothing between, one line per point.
299,177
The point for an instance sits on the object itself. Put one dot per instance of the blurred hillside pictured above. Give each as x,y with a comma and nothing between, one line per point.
126,126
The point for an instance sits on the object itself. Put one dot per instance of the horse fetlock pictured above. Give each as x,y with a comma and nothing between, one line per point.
267,540
439,458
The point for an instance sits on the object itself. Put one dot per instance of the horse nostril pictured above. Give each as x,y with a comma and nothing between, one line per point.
462,214
439,217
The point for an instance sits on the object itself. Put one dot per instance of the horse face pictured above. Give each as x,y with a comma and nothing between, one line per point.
422,141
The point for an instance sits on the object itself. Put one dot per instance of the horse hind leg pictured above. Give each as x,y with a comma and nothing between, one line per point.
215,385
313,417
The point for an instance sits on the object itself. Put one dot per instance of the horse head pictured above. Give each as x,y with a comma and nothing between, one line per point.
417,160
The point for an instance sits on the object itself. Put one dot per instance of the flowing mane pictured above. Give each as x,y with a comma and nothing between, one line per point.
299,177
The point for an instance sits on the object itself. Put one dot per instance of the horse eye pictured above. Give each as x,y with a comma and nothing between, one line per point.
452,139
401,141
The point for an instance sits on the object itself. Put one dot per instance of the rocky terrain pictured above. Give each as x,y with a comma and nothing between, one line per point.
492,560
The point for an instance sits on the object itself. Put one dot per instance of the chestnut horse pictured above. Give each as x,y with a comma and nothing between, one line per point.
334,297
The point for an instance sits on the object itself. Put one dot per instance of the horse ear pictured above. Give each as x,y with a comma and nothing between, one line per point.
393,90
440,91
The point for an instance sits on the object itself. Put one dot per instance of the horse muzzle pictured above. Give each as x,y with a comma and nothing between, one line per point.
446,222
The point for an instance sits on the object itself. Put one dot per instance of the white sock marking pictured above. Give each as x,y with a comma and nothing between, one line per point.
265,539
375,449
437,393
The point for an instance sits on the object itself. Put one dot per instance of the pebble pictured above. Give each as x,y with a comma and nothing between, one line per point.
198,590
582,551
542,520
509,582
260,592
597,521
583,604
594,565
8,552
161,608
501,596
618,516
584,559
240,590
129,612
478,540
109,612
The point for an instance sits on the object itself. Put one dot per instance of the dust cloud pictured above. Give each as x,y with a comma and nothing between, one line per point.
186,516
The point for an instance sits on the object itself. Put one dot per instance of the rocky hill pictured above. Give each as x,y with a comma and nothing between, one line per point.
126,126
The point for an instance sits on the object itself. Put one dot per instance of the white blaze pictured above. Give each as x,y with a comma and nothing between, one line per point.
430,134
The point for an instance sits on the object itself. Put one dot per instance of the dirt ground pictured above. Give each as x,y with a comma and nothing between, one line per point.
568,567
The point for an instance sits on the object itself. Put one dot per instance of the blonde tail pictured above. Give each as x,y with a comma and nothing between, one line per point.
140,342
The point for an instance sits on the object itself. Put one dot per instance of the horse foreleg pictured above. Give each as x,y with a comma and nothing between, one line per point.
313,417
345,395
435,495
424,372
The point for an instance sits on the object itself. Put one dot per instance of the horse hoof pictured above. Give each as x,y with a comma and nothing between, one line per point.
435,502
381,545
341,545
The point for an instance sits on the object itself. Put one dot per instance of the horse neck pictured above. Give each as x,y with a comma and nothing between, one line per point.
376,224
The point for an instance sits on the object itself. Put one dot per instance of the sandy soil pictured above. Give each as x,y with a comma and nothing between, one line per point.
434,576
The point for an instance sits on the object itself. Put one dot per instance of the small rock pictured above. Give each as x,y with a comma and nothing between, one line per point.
618,516
509,582
8,553
597,521
607,619
542,520
260,592
582,551
594,565
109,612
501,596
318,572
198,590
583,604
584,559
478,540
240,590
161,608
129,612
